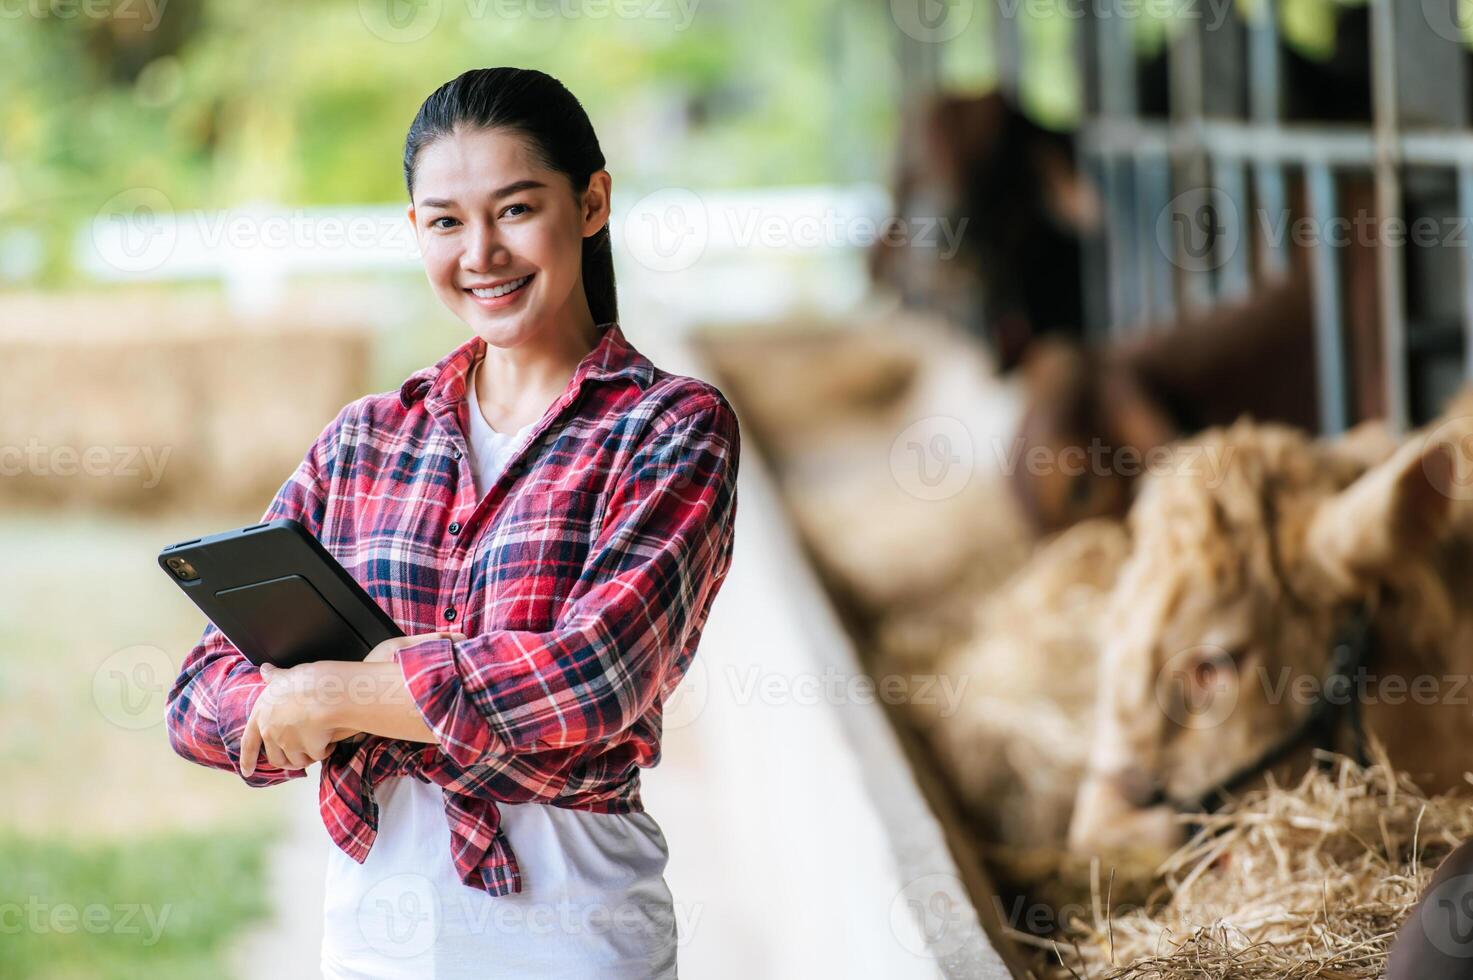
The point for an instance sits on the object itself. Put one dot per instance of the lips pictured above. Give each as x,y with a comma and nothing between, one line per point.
497,289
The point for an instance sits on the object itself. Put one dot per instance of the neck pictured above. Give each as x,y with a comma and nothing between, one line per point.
513,382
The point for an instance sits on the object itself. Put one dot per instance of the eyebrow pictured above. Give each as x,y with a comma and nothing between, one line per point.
512,188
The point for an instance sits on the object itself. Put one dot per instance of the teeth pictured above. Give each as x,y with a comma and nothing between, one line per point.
501,290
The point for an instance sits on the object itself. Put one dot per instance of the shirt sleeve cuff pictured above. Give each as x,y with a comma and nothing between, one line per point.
434,682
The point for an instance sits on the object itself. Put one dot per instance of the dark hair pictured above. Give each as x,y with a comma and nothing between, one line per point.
539,108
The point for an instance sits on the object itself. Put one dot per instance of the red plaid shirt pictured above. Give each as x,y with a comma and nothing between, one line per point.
583,579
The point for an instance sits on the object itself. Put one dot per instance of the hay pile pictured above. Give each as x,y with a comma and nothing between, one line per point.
1015,749
1309,881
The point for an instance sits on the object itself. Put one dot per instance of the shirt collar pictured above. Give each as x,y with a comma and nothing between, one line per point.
444,382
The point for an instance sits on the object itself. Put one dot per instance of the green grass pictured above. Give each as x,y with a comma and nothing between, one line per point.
157,908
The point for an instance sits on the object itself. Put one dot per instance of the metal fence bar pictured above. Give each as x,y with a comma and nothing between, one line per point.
1336,145
1153,178
1234,278
1264,109
1465,214
1388,208
1329,348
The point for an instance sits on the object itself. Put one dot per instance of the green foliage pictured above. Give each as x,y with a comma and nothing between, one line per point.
304,104
152,909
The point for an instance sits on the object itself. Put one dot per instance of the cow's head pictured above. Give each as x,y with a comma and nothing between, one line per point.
990,213
1250,550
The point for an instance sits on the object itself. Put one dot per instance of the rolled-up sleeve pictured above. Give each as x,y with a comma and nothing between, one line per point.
624,639
210,702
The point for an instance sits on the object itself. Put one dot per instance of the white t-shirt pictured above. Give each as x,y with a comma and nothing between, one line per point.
594,902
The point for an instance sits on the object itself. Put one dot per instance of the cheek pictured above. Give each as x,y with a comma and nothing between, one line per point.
440,261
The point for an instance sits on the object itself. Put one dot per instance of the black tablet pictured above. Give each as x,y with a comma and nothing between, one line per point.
278,595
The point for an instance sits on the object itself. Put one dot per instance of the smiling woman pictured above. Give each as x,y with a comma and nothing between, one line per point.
548,517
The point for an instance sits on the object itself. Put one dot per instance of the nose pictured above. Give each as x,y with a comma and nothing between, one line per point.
1109,816
483,248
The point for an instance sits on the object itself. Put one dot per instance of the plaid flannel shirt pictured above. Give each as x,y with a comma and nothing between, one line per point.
583,579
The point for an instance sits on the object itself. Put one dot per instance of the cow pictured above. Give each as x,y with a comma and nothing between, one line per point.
1010,190
1282,595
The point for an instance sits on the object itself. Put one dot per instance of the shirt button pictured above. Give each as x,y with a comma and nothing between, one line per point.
454,527
455,453
450,614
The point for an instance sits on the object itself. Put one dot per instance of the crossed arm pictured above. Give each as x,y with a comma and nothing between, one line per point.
305,711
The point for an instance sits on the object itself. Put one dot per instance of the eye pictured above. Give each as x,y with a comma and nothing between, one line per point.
524,208
436,222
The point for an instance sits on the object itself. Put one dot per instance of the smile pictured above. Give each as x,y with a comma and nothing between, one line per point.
504,289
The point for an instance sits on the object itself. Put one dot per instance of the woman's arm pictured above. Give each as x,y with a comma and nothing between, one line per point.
212,699
622,640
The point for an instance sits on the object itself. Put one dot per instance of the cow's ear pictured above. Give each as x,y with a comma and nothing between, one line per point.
1131,416
1395,511
1069,195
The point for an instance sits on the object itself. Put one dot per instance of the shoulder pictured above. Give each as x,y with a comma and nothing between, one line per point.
679,401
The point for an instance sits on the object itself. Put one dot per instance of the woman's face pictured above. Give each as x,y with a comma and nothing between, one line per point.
488,217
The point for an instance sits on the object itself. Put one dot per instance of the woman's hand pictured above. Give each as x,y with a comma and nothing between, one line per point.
385,651
297,718
287,721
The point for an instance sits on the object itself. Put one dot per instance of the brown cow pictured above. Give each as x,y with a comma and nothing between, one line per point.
1010,188
1245,574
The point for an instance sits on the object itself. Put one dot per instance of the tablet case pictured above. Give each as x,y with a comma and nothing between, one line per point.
279,596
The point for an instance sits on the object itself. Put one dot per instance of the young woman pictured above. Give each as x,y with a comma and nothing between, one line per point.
549,516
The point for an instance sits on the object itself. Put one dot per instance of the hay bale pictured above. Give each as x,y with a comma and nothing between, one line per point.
1308,881
1015,750
148,399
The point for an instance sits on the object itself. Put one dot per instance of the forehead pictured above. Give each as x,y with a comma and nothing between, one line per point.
474,162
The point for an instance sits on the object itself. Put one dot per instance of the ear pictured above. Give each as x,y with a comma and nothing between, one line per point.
1069,196
1132,417
596,202
1053,368
1394,511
